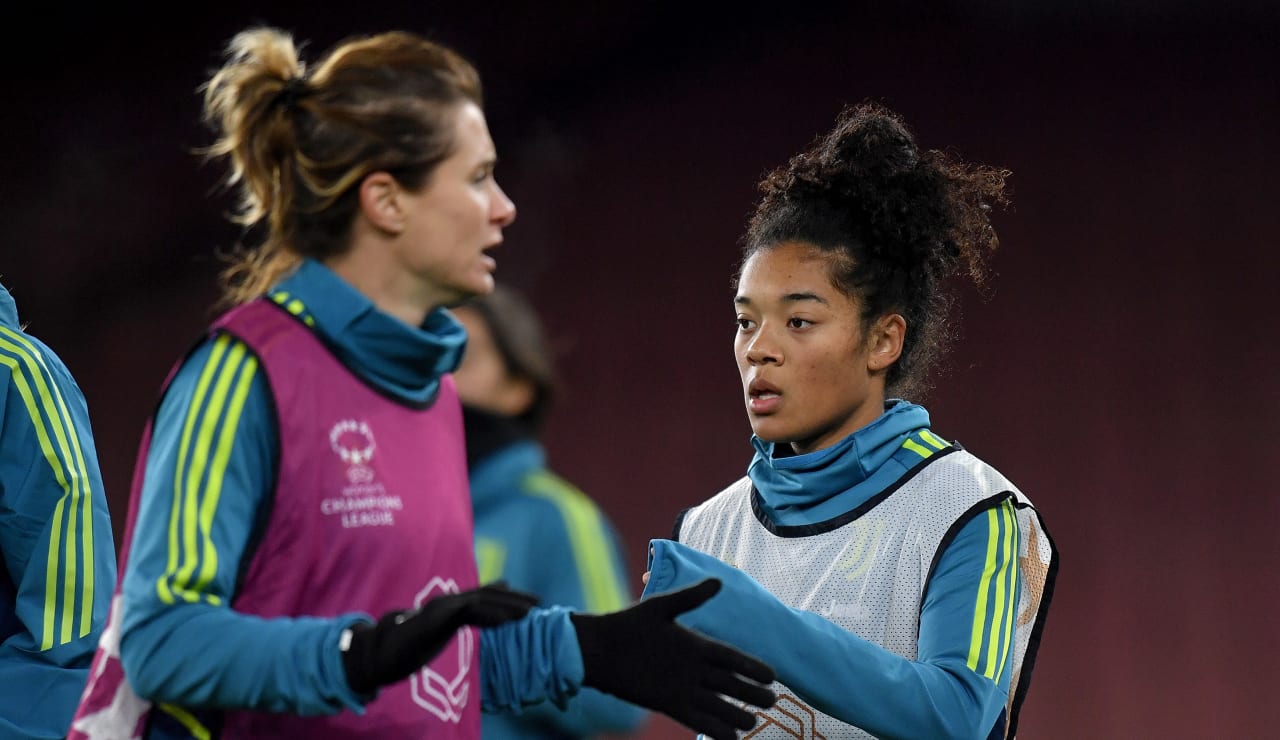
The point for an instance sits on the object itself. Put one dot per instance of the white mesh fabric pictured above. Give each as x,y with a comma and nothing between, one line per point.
869,575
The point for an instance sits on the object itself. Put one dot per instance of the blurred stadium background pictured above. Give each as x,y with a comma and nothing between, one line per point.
1123,372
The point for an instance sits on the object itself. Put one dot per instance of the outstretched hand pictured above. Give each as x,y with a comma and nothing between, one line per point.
642,655
403,641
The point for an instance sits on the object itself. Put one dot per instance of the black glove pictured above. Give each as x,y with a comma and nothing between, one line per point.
641,655
403,641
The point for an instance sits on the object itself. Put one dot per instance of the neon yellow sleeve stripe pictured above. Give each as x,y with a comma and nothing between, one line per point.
491,558
917,448
186,719
1001,605
85,506
55,536
214,400
203,446
1012,604
71,472
213,488
980,607
929,437
184,447
591,551
1002,544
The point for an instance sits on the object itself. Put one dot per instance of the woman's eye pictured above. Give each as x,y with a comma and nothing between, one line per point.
744,324
798,323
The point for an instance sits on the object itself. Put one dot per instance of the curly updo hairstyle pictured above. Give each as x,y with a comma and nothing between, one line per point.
896,222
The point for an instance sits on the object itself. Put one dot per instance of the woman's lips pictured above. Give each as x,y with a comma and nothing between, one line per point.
763,398
765,403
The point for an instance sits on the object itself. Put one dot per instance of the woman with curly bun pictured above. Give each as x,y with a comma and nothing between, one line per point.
896,582
299,551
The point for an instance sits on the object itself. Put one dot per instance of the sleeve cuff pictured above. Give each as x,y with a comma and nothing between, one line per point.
334,670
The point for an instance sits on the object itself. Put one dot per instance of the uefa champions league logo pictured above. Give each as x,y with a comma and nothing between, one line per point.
353,441
443,695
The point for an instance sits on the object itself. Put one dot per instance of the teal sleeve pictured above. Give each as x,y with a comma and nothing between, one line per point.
529,661
968,612
592,712
839,673
580,566
57,557
208,471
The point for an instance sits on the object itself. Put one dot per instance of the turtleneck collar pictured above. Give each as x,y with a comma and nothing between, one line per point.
405,361
821,485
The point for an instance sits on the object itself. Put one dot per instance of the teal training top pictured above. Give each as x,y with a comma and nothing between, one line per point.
56,551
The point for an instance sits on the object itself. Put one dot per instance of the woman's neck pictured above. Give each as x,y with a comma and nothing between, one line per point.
388,287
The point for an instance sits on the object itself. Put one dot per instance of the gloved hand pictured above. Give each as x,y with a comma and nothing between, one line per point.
641,655
404,641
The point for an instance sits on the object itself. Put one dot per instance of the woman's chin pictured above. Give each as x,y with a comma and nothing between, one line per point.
479,285
770,433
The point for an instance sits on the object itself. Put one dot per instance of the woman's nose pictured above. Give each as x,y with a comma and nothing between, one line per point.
502,209
761,349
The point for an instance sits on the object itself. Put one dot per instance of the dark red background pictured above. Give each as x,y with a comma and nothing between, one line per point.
1123,372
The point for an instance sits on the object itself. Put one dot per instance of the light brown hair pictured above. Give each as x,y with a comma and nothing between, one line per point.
298,144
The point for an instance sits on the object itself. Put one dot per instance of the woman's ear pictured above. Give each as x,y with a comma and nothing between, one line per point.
885,342
380,202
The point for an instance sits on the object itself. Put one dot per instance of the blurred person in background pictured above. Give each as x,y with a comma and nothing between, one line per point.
299,558
534,530
57,556
896,582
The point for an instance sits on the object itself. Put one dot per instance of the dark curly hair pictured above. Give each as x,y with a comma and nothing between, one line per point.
896,221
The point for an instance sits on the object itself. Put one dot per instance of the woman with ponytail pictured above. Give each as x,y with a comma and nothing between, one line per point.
299,550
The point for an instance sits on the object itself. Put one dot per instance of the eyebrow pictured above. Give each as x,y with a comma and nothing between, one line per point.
742,300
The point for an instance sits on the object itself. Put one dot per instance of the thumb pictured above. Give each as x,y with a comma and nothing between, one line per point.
686,599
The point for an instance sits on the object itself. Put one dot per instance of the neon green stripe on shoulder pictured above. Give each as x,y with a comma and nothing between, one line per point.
601,590
294,306
932,439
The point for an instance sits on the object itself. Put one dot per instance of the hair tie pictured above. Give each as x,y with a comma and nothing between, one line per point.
294,90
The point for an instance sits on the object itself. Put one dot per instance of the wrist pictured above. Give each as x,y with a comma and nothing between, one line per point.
342,691
354,653
591,644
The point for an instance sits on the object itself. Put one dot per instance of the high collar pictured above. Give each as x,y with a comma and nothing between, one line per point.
802,489
406,361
